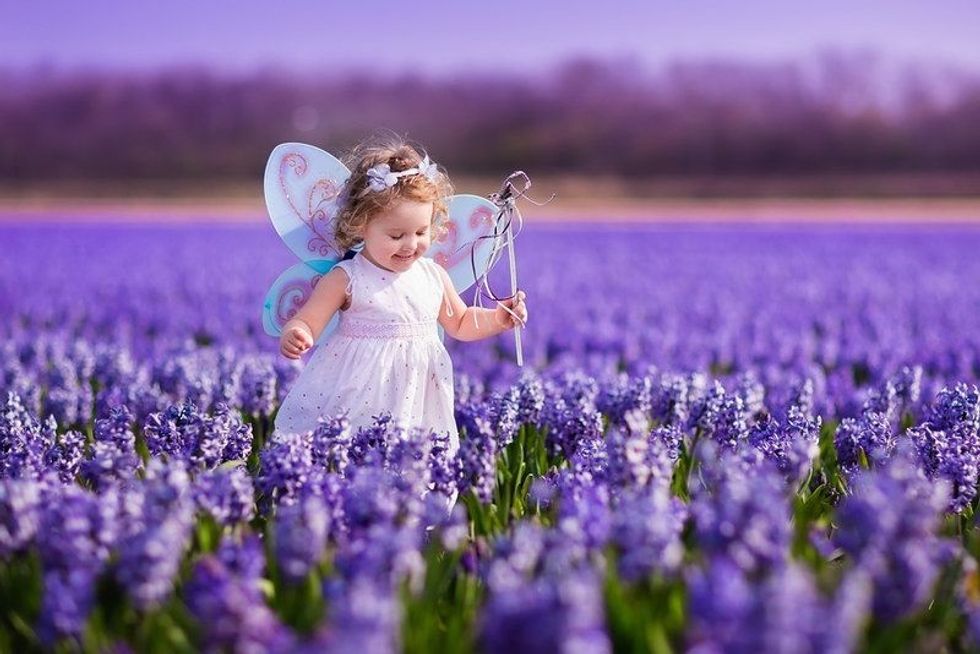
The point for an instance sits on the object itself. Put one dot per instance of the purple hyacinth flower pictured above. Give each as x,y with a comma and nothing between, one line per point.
69,393
300,537
73,539
792,445
504,414
332,440
20,514
647,528
173,432
388,554
151,550
956,407
370,497
370,444
69,597
226,494
243,558
780,612
675,397
366,617
285,469
887,526
112,458
559,613
224,437
871,434
626,401
65,455
741,510
477,458
258,383
531,399
569,426
23,440
897,394
231,611
585,517
636,459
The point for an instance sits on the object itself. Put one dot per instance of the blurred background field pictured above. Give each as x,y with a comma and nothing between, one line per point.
832,113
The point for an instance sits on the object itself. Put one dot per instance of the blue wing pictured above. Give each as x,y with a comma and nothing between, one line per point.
468,240
290,291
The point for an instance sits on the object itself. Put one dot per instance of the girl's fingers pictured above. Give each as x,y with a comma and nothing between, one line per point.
292,348
515,311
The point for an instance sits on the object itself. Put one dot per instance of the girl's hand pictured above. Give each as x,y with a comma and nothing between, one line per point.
295,340
517,314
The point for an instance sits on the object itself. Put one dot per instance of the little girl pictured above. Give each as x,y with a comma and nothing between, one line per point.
386,355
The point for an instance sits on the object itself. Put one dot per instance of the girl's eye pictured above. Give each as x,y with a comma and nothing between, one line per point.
397,238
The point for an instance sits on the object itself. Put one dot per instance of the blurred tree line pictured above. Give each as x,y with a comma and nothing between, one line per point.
833,113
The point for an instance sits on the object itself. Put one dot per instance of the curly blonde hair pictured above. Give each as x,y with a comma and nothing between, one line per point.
360,207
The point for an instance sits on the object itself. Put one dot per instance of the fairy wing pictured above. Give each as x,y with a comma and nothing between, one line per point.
290,291
467,242
303,187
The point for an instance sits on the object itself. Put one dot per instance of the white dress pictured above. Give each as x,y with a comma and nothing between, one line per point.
386,356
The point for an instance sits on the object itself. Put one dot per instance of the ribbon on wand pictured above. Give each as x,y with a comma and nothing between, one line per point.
507,224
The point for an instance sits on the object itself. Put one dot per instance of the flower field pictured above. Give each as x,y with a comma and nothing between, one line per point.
724,439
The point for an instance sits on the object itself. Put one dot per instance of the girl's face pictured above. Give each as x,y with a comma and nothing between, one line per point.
395,238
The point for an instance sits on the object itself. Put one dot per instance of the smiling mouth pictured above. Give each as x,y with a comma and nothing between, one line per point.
398,256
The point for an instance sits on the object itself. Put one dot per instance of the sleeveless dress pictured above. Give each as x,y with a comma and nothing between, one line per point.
385,356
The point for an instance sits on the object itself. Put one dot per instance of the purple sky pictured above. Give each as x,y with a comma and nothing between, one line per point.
444,37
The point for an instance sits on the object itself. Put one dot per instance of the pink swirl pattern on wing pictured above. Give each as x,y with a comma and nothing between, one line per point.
481,216
292,296
447,242
323,197
479,221
317,215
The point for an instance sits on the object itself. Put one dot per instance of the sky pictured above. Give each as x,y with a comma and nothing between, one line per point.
448,37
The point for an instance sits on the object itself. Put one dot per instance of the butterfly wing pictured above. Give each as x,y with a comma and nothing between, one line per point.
471,217
290,291
303,187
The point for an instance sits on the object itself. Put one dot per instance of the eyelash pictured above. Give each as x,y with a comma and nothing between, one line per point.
398,238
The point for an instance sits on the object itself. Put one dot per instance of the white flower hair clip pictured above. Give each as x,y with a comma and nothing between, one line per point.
380,177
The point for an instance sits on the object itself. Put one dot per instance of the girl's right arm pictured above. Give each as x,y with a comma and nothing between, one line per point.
302,330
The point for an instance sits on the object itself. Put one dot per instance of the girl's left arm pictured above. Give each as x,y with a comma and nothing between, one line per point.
471,323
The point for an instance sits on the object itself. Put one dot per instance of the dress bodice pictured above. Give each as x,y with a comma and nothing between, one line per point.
383,302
